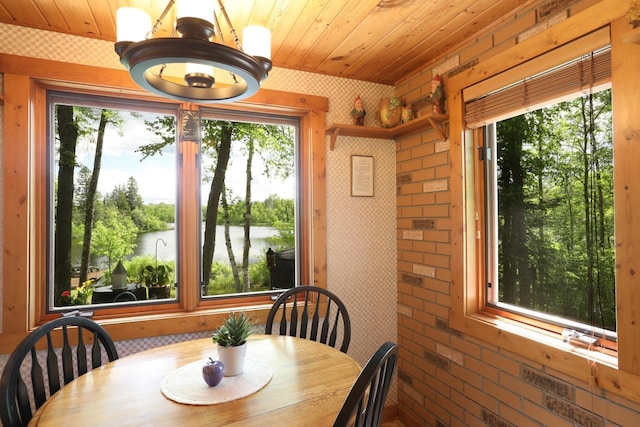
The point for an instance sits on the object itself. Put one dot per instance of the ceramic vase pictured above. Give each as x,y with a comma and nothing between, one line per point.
233,359
389,117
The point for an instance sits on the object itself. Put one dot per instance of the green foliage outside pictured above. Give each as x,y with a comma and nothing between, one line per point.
222,282
118,217
114,237
555,211
146,270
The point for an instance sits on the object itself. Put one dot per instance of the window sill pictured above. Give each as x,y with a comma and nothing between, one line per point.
587,365
152,325
125,328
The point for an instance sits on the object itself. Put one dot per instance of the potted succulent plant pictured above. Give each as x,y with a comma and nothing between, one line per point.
231,339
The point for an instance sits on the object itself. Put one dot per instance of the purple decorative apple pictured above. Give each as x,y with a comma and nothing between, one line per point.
212,372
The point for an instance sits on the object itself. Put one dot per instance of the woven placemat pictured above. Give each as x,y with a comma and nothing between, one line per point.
186,385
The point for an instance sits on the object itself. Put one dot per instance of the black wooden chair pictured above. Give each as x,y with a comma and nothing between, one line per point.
18,400
312,313
365,402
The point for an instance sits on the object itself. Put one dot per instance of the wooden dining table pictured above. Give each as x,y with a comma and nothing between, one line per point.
308,383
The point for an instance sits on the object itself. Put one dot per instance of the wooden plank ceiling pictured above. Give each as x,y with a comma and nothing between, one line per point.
381,41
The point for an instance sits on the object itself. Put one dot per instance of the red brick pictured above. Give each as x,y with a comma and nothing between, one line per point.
544,416
439,260
514,28
403,155
423,175
481,398
424,295
404,200
435,160
408,142
527,391
443,224
435,285
424,247
481,368
443,248
422,150
502,394
409,165
475,48
472,352
451,409
465,402
443,172
502,363
435,211
424,199
516,417
436,236
443,197
467,375
437,310
412,212
414,188
443,299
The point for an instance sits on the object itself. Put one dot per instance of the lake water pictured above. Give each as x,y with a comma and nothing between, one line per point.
148,243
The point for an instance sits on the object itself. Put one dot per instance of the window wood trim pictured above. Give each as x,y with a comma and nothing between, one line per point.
622,376
25,80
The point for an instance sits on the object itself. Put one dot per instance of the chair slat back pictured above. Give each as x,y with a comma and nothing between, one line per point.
52,366
96,352
365,402
19,399
304,317
81,352
67,357
299,312
37,382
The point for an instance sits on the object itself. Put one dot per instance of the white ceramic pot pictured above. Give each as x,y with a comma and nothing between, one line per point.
233,359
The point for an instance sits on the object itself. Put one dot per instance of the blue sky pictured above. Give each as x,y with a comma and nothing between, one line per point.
156,176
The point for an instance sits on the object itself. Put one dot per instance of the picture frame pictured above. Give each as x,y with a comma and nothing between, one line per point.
361,176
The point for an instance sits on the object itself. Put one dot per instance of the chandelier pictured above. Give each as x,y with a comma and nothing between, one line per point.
182,67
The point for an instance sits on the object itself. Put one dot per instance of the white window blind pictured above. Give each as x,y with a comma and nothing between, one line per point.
589,72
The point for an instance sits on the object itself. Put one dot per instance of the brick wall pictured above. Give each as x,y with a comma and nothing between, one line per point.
446,378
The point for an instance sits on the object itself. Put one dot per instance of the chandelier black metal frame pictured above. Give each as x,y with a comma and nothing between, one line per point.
148,58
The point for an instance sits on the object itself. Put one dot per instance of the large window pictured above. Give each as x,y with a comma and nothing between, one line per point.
123,201
112,203
549,205
544,196
248,203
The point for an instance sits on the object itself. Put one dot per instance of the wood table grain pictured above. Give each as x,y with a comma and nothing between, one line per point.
309,384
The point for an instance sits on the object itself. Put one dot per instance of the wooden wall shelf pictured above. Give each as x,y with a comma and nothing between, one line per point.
435,121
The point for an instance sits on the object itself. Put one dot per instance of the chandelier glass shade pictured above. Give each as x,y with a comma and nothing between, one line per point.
185,67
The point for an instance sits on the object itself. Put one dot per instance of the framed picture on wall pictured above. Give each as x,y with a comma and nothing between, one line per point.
362,176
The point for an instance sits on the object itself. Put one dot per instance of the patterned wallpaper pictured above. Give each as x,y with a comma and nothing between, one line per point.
361,231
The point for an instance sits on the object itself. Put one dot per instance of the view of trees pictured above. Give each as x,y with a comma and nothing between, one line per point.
276,146
555,211
107,225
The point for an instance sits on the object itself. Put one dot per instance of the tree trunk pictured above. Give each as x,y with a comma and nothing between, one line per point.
90,200
68,134
247,220
517,274
217,185
227,239
588,223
